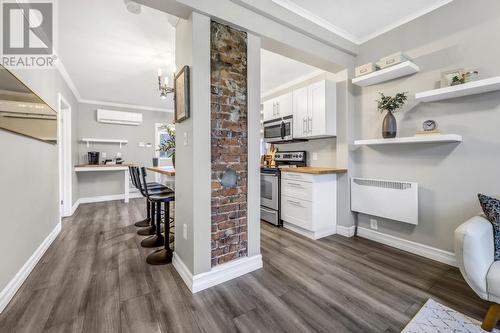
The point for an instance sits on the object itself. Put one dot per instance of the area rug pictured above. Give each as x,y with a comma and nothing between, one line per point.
437,318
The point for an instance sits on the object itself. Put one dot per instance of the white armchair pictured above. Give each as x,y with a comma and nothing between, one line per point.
474,250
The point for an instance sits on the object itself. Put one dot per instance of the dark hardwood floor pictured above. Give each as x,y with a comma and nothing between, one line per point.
94,278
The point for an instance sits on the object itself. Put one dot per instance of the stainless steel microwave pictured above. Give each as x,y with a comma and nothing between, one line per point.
279,130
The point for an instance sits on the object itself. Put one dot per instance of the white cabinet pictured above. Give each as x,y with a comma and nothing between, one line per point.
268,110
300,112
285,105
309,203
278,107
314,110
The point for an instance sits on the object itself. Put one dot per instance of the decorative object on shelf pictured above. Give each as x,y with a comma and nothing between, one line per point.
181,95
365,69
155,161
447,77
471,76
390,104
429,128
457,80
168,146
467,89
392,60
163,85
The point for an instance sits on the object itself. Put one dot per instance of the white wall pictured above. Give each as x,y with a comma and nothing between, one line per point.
29,195
193,178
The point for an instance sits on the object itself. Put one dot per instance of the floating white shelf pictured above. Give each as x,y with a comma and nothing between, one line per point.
411,139
93,140
386,74
466,89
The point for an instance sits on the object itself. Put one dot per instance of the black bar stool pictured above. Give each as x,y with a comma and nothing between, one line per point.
162,256
154,188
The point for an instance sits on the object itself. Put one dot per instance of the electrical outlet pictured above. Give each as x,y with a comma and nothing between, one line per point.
315,156
118,155
141,144
373,224
103,155
185,231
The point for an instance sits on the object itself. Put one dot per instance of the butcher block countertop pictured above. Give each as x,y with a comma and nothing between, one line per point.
165,170
314,170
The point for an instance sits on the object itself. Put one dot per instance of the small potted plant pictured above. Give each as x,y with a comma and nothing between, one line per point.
168,146
390,104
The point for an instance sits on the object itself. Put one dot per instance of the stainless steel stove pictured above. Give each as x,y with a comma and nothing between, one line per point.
270,179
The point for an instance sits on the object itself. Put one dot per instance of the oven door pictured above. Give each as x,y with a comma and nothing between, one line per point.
269,191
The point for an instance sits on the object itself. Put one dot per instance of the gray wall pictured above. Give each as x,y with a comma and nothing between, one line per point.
29,195
460,34
111,183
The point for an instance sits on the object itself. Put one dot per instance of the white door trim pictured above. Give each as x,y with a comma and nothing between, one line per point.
65,168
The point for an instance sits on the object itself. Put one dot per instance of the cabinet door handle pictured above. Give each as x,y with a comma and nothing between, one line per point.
274,108
295,185
278,104
309,124
304,126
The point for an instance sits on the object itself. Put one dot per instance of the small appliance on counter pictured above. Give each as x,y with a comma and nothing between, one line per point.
93,157
270,179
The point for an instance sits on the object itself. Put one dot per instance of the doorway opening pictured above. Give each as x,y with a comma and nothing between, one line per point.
64,144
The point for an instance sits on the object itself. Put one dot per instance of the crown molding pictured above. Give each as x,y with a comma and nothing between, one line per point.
298,10
358,40
124,105
64,73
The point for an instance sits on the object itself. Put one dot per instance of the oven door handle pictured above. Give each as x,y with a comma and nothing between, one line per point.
283,130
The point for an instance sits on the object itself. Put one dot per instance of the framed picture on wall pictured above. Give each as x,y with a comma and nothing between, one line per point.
181,95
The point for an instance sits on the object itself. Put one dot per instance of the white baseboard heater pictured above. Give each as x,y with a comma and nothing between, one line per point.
385,198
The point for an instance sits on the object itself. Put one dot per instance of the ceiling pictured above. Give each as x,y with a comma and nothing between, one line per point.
277,70
360,20
112,55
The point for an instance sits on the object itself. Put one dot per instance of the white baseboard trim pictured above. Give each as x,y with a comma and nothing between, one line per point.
345,231
409,246
13,286
310,234
103,198
218,274
75,207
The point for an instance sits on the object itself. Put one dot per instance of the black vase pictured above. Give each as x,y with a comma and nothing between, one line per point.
155,161
389,126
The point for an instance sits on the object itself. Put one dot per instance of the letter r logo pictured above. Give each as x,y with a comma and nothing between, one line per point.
27,28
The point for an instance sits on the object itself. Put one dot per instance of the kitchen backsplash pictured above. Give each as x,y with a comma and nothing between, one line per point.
320,152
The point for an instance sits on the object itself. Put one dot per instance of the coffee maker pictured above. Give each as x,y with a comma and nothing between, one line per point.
93,157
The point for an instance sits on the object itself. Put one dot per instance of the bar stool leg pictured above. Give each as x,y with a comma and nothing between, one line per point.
157,239
146,222
149,231
163,256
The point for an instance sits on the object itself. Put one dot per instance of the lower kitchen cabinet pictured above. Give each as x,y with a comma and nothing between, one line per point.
309,203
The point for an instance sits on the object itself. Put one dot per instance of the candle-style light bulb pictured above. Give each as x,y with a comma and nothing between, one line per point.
166,81
159,72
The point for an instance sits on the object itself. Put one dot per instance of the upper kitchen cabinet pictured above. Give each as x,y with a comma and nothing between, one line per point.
278,107
314,110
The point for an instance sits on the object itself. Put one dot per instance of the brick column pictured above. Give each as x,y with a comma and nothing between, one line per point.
228,54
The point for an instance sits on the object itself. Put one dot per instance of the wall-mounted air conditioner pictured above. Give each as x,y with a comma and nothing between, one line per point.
119,117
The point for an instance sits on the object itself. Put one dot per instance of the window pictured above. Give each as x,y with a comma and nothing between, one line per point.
161,136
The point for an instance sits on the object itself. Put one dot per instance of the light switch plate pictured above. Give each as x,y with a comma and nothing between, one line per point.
315,156
186,139
373,224
185,231
141,144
